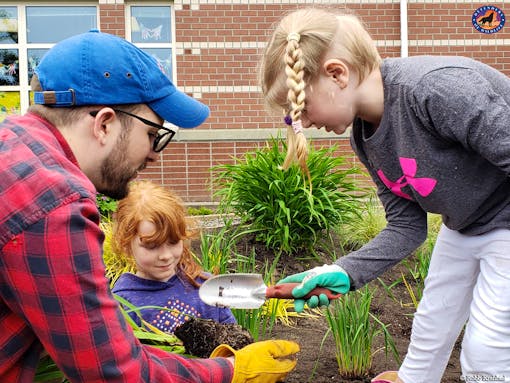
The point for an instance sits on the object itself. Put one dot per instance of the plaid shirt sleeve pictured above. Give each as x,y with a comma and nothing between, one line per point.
54,291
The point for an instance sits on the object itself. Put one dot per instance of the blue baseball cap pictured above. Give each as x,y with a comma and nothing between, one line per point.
97,68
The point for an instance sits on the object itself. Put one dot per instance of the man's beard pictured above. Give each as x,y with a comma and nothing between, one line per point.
116,173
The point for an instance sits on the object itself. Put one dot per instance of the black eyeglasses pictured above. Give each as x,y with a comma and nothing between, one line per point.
161,139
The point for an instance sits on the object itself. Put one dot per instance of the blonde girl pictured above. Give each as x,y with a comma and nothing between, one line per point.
427,129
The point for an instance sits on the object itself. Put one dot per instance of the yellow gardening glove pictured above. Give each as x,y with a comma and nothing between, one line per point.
263,362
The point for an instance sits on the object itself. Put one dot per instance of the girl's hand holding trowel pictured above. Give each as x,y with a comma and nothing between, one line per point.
248,291
331,277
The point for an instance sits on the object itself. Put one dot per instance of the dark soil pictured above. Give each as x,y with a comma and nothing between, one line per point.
316,361
201,336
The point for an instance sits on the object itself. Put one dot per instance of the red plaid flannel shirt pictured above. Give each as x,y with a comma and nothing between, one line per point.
53,292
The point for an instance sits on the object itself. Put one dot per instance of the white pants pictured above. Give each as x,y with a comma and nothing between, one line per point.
468,280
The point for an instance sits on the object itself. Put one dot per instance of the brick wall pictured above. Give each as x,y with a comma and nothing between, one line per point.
113,20
218,43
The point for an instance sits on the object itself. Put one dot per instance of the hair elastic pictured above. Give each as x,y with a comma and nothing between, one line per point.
293,36
297,126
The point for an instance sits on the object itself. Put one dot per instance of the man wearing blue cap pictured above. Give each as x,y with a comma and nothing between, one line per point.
97,120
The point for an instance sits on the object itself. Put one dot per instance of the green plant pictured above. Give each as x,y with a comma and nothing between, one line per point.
417,268
115,264
364,226
418,264
388,288
147,333
288,212
48,371
106,205
202,210
218,249
354,330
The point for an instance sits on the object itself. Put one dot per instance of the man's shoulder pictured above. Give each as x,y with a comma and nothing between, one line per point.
35,176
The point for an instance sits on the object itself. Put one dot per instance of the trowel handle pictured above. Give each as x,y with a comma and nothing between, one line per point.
284,291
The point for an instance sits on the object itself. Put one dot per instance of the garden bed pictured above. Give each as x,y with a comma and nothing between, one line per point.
317,361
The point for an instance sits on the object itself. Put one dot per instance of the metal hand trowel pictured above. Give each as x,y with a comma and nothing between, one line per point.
248,291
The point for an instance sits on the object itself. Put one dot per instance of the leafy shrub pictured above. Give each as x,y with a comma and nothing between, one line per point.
287,210
106,205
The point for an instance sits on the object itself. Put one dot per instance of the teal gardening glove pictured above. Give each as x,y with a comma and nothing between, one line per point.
331,277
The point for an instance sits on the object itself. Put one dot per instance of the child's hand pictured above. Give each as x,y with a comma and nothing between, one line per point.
332,277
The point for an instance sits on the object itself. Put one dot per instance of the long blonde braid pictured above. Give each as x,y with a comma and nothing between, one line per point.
297,146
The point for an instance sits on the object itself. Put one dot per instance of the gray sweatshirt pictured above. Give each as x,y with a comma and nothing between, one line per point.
443,146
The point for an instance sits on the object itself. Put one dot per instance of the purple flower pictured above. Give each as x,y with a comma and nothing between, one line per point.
288,120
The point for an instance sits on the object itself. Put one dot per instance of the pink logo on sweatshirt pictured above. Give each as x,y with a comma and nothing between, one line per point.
423,186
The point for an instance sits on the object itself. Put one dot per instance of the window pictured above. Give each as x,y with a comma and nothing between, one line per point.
9,61
151,29
41,22
26,33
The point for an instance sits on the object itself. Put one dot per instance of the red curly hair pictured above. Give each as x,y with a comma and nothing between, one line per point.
147,201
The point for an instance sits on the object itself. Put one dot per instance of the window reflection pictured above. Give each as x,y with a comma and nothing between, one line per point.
8,25
164,58
150,24
9,104
9,67
42,22
34,58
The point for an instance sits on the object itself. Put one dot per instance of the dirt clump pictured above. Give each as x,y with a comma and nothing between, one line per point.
201,336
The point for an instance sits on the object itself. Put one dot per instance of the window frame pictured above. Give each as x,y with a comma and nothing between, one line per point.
22,46
154,45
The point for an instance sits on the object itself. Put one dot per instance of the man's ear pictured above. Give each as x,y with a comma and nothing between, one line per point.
338,71
103,124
